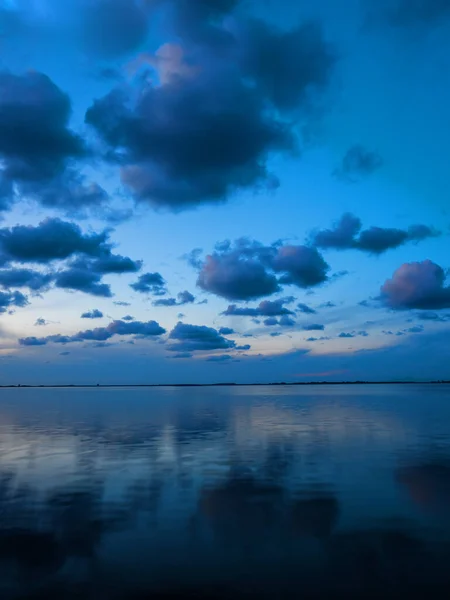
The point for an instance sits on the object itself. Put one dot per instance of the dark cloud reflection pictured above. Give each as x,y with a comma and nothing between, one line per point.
246,492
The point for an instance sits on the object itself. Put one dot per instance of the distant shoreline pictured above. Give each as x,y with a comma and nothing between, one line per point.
226,384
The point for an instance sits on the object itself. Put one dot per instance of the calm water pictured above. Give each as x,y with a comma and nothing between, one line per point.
277,492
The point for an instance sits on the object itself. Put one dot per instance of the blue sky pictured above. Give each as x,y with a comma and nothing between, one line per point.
301,150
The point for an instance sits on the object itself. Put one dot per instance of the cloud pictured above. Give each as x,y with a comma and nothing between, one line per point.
433,316
32,341
38,151
226,331
195,338
165,302
220,358
150,283
304,308
19,278
147,329
419,285
52,239
40,322
121,303
244,347
248,270
346,335
314,339
327,305
358,162
127,318
182,355
114,263
301,265
64,353
92,314
271,322
266,308
183,298
8,299
313,327
415,329
83,280
286,321
346,234
236,81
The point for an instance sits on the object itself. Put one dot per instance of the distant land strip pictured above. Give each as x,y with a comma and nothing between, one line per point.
225,384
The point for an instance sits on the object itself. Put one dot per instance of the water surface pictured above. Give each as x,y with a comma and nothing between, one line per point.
227,492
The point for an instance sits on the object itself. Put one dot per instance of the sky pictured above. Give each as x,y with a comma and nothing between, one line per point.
200,191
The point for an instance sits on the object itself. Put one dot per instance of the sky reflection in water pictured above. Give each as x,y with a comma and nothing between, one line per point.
224,492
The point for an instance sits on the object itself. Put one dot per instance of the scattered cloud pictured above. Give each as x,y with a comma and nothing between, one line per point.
346,234
239,86
266,308
313,327
197,338
182,298
92,314
357,163
307,310
419,285
147,329
150,283
248,270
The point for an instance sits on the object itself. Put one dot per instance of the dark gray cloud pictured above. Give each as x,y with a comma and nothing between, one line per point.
115,263
346,234
92,314
32,341
415,329
182,298
182,355
226,331
320,339
40,322
220,358
327,305
271,322
165,302
236,278
35,140
83,280
304,308
248,270
236,84
40,154
244,347
313,327
20,278
121,303
419,285
150,283
52,239
286,321
433,316
9,299
300,265
127,318
266,308
147,329
194,338
358,162
346,335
